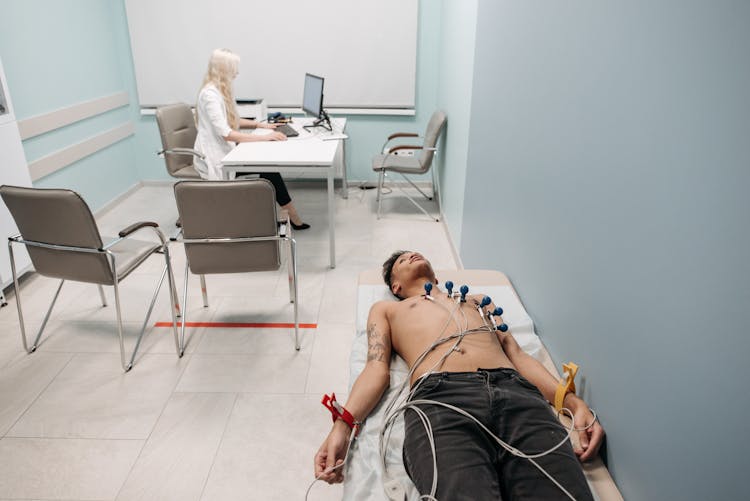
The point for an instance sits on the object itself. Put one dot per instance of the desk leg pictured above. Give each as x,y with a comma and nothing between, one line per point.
344,182
331,217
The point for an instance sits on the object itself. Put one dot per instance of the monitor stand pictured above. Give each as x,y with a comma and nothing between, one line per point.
322,121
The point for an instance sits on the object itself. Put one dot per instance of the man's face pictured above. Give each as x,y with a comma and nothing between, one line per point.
409,266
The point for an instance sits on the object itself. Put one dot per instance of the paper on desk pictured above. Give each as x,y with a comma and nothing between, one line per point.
331,137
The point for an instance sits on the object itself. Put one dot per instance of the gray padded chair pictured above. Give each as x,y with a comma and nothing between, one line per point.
63,241
232,227
177,131
391,161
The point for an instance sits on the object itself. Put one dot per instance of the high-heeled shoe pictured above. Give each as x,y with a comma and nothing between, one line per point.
302,226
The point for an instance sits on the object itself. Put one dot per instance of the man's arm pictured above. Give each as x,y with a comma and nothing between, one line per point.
365,395
530,368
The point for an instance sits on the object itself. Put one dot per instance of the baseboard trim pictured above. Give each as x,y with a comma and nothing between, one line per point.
119,198
454,250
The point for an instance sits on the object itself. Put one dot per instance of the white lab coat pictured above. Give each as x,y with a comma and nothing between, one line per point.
212,129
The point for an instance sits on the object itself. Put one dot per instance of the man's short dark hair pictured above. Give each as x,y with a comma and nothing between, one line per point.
388,269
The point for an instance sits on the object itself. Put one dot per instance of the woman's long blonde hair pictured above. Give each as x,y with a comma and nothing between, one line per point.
222,68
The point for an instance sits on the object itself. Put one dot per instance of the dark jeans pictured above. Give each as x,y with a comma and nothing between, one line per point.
472,466
282,194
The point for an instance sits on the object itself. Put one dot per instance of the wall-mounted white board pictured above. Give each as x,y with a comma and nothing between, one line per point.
366,51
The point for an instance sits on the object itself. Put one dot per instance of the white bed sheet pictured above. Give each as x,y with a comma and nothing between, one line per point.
363,476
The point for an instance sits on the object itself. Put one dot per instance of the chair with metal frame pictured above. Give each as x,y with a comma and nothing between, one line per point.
177,130
232,227
61,236
393,161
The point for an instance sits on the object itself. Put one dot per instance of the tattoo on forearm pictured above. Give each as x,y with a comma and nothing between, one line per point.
377,344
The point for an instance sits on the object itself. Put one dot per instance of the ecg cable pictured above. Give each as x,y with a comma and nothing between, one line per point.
335,467
391,413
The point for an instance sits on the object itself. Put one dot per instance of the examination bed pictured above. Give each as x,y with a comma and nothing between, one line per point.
363,468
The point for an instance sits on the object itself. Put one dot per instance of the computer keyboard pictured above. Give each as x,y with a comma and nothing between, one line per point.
287,130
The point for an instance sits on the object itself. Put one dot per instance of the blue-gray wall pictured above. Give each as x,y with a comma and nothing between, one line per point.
58,54
456,74
614,172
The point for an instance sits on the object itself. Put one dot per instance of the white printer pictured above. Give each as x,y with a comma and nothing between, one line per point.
254,109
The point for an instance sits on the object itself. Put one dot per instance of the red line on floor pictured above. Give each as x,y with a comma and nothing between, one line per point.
239,325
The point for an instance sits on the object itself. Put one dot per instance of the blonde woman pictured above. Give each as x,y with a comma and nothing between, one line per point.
219,124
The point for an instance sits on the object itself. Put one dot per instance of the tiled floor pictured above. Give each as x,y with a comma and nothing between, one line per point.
239,416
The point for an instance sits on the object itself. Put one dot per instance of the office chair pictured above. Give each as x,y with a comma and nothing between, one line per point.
64,242
391,161
177,130
232,227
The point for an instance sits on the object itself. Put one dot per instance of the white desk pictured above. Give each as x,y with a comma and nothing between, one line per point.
307,152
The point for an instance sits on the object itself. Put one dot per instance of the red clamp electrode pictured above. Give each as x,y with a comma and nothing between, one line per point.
338,411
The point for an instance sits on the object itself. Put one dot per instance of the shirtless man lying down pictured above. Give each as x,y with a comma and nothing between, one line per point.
482,371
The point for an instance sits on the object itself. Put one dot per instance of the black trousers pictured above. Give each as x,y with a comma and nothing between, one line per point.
282,194
473,467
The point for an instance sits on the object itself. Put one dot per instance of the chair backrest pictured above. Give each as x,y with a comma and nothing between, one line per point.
228,209
177,130
434,129
58,217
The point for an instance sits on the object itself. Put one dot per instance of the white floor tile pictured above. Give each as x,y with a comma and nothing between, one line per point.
21,382
65,469
339,302
247,373
37,294
265,341
329,363
11,346
177,458
93,398
96,337
265,309
258,284
268,449
8,314
136,292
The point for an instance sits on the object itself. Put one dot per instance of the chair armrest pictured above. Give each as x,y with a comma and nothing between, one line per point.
402,134
182,151
397,135
135,227
404,147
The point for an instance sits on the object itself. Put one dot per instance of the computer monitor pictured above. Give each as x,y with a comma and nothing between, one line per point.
312,100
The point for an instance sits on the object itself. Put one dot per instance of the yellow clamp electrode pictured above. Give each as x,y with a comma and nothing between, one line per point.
566,385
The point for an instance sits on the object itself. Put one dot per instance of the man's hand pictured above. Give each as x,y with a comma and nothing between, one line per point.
590,439
364,395
331,454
